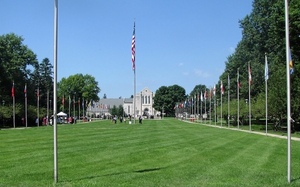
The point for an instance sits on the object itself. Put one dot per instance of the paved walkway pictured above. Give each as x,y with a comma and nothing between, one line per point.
253,132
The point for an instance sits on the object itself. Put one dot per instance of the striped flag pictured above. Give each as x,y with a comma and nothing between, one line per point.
13,90
291,63
133,48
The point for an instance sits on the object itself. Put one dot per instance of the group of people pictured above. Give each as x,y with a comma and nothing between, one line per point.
46,121
115,119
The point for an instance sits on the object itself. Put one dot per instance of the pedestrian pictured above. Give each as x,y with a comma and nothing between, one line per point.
140,119
37,121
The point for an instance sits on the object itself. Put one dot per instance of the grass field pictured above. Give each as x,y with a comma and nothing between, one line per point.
157,153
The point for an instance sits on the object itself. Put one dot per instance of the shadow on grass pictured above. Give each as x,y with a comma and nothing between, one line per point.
119,173
296,179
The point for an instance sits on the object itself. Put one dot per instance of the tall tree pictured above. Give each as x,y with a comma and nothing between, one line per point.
82,88
166,98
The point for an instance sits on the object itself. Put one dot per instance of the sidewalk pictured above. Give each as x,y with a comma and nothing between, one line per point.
247,131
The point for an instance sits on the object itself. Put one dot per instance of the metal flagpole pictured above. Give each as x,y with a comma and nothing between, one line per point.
133,68
38,106
55,90
25,93
14,104
205,98
210,96
215,105
201,111
287,40
238,97
250,80
266,79
228,101
221,103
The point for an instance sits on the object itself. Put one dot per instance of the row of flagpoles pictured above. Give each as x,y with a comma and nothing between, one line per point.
133,50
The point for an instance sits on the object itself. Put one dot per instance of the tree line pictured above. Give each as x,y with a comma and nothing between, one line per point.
19,67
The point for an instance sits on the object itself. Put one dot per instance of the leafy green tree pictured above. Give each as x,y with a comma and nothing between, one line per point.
264,33
78,87
16,64
166,98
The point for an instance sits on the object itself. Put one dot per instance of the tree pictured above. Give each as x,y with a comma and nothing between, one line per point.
81,88
264,32
167,97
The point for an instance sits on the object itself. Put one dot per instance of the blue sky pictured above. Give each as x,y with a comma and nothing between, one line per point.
183,42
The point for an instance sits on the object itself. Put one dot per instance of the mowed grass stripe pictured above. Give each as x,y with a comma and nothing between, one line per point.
156,153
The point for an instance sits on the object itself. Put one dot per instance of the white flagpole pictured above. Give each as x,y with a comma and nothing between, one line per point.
205,96
201,100
38,106
54,90
287,40
25,92
133,48
238,97
210,96
228,101
221,104
250,80
266,79
14,105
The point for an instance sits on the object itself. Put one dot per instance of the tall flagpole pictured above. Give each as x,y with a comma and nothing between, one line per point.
210,96
266,80
38,106
25,93
205,97
14,104
228,101
238,97
133,68
201,111
54,90
222,92
287,40
250,80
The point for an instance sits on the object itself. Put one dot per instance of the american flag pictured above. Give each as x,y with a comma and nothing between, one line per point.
133,48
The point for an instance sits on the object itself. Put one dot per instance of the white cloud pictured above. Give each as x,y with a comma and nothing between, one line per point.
201,73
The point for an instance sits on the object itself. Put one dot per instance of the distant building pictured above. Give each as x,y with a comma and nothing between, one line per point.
144,105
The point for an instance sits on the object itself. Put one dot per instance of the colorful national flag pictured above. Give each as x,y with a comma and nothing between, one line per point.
214,90
249,72
201,96
25,90
291,62
222,88
13,90
133,48
266,69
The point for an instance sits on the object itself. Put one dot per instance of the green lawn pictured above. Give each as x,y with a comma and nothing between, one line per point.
157,153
